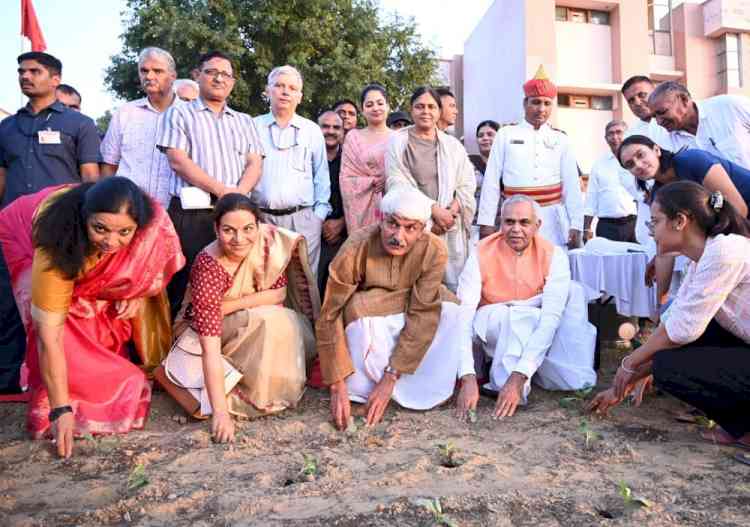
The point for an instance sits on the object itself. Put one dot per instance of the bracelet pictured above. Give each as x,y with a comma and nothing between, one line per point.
392,371
55,413
625,368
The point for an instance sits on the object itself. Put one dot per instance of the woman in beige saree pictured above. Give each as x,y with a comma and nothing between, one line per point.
253,348
362,178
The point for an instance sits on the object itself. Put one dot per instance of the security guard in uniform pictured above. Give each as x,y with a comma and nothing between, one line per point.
534,159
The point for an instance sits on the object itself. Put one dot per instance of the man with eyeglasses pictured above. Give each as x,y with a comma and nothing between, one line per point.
129,147
45,143
295,188
213,150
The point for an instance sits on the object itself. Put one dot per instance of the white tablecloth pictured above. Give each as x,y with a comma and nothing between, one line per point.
618,275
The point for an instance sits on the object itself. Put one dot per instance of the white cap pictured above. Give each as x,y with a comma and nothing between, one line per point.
407,202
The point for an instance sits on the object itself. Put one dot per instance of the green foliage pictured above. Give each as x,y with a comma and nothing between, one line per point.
450,455
578,397
630,499
589,436
438,516
309,466
338,46
102,122
137,477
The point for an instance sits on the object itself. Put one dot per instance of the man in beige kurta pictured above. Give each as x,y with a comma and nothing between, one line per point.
382,332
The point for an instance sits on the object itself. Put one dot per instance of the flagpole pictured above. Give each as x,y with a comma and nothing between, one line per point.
20,93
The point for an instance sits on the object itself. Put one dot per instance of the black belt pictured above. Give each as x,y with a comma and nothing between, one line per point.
284,212
626,219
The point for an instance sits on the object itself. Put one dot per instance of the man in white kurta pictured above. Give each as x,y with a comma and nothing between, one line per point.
534,159
720,125
530,318
385,328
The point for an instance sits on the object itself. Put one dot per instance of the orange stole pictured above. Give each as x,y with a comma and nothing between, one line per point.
507,276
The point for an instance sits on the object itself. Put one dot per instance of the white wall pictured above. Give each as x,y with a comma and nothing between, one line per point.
494,68
586,131
584,53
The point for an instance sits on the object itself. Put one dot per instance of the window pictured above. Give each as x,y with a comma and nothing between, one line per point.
599,17
660,27
581,16
729,61
585,102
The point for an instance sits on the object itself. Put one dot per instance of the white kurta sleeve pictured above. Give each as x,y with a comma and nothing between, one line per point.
572,196
469,292
554,299
493,174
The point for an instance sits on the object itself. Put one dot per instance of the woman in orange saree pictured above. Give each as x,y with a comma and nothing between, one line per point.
89,264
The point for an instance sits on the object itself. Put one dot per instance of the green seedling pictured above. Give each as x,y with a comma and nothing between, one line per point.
137,477
309,466
472,415
589,436
578,397
631,500
449,455
438,516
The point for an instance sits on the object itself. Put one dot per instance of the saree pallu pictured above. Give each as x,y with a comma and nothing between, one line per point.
108,393
269,345
362,167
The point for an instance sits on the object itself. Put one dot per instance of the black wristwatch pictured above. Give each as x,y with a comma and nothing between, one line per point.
55,413
392,371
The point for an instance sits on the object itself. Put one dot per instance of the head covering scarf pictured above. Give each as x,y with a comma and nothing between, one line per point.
408,203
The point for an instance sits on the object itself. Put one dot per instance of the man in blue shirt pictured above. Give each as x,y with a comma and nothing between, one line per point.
43,144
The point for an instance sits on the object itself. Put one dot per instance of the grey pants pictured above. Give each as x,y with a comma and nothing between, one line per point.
306,223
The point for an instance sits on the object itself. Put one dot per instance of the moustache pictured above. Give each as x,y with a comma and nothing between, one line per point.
332,136
395,242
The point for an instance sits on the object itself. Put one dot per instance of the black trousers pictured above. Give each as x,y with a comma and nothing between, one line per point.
617,229
12,335
196,230
711,374
327,253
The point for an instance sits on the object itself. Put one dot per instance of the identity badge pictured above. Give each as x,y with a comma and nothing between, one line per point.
49,137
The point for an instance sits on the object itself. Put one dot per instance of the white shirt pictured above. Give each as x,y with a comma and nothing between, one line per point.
295,169
524,157
554,299
723,129
612,191
651,129
716,286
130,143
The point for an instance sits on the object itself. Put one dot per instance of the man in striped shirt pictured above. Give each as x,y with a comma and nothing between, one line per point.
213,150
295,189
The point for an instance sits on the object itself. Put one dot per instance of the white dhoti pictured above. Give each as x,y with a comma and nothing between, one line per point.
371,342
555,225
504,330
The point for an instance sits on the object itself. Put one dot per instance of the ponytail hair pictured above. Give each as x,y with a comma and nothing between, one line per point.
60,229
711,212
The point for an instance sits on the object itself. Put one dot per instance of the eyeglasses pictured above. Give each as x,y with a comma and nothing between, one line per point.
217,74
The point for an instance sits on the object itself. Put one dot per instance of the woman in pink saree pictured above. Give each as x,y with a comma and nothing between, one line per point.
362,177
89,264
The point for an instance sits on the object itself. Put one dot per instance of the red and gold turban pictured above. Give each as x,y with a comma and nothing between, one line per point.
540,85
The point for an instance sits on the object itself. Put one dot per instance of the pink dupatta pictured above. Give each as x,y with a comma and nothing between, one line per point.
362,167
108,392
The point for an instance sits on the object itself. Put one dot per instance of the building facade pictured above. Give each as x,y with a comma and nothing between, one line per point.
589,48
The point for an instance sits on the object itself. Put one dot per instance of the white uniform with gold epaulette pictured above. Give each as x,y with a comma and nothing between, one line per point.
522,156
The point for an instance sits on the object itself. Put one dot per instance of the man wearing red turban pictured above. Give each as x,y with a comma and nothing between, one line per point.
536,160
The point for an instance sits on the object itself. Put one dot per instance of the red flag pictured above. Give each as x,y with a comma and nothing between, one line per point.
30,26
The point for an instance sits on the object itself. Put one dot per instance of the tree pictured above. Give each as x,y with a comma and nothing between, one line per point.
338,46
102,122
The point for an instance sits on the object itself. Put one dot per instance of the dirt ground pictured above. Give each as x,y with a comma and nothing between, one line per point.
548,465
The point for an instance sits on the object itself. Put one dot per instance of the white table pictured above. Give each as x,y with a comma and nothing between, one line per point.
618,275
